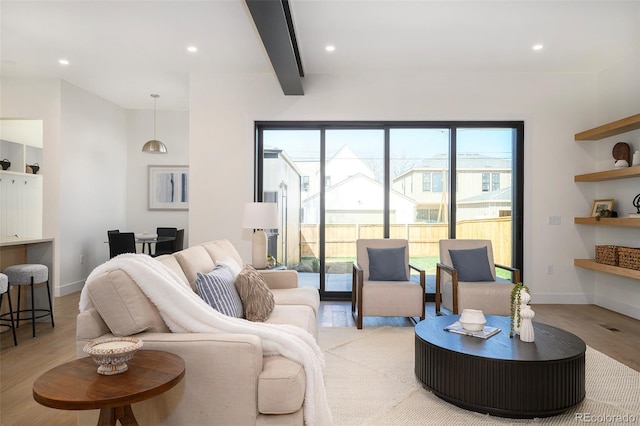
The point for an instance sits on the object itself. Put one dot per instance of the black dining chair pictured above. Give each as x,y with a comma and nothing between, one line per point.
121,242
166,247
180,240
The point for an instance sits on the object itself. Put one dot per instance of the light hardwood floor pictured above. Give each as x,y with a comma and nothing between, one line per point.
613,334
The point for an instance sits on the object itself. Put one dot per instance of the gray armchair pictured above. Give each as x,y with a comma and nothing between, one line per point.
466,278
381,281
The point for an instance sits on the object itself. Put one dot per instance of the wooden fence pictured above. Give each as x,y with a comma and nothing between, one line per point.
423,237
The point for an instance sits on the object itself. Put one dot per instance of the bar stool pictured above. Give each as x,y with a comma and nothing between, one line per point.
4,288
30,274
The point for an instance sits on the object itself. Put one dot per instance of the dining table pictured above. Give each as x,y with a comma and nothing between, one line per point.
146,241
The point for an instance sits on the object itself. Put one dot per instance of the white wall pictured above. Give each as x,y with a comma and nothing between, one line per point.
173,130
93,176
553,106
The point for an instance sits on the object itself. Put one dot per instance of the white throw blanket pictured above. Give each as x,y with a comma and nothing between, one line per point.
185,312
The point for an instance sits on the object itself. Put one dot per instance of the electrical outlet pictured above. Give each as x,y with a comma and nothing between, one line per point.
549,269
82,259
553,220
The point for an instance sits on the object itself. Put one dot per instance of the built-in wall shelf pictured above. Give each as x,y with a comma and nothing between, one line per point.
618,127
621,173
608,221
610,129
609,269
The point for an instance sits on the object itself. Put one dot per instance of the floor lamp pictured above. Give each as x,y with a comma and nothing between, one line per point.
260,216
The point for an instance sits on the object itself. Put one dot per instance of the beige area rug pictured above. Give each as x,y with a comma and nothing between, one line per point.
370,380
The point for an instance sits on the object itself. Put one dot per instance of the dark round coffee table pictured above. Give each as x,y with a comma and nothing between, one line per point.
501,376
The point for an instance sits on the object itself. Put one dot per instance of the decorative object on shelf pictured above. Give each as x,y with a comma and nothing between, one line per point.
113,353
154,146
260,216
607,255
622,152
636,204
5,164
33,168
516,299
526,315
629,258
599,205
606,213
636,159
472,319
619,164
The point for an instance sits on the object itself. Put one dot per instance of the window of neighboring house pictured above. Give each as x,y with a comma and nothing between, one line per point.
428,215
436,185
426,182
495,181
304,180
485,182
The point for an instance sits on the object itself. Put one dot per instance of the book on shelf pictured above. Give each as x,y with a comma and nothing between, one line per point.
485,333
634,215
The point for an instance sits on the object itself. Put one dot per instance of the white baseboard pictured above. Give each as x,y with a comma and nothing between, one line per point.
69,288
586,299
617,306
562,299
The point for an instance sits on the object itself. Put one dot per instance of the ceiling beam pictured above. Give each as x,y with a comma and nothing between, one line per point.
274,24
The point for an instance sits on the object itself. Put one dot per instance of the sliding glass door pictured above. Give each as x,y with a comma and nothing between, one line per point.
337,182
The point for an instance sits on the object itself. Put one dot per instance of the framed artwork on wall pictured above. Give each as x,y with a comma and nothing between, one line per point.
168,188
599,206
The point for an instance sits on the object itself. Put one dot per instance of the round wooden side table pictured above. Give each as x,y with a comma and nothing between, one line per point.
76,385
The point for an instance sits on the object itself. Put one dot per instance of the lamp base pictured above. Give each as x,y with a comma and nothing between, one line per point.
259,249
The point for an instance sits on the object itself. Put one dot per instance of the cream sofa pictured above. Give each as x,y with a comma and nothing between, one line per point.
227,380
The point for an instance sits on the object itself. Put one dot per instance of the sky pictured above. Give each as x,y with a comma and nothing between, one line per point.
409,144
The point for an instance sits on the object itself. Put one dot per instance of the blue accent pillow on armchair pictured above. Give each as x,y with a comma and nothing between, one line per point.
387,264
472,264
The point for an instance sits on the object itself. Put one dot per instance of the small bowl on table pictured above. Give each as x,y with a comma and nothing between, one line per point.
112,354
472,320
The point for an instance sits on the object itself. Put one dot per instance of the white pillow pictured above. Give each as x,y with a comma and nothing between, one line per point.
233,266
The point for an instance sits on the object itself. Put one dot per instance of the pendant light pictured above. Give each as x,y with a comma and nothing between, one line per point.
154,146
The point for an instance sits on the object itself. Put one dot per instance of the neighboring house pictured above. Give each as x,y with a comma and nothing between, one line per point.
342,165
477,174
485,205
281,185
358,199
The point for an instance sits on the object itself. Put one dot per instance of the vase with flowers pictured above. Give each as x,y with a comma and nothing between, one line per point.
516,300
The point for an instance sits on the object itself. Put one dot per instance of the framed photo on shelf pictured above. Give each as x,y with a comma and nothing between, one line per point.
600,205
168,188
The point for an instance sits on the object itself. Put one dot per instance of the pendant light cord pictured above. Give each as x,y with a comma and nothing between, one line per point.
155,97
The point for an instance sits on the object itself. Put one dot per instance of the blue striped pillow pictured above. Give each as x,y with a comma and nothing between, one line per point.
218,289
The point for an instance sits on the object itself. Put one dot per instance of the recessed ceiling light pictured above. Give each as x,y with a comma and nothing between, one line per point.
63,62
192,49
537,47
330,48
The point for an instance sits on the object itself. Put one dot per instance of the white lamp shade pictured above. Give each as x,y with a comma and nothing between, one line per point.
260,216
